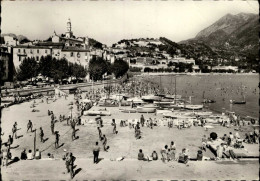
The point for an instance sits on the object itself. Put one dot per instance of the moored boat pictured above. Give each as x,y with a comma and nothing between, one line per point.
96,113
145,110
151,98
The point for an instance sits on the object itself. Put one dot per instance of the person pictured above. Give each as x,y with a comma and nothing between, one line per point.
66,158
164,153
24,155
29,126
140,155
99,133
231,136
232,154
14,130
114,126
199,155
30,155
154,155
52,126
104,142
96,150
169,154
183,158
71,165
5,153
41,134
37,154
225,138
10,141
57,138
73,134
142,120
220,150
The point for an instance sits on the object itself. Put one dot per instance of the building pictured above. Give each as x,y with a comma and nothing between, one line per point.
6,64
75,50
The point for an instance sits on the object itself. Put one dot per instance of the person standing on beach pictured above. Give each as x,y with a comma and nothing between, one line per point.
114,126
52,126
104,142
29,126
96,150
142,120
41,134
57,138
100,133
14,130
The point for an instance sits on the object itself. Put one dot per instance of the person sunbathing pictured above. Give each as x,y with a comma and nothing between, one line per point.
140,155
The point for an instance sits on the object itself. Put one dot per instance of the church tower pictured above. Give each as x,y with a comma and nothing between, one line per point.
69,32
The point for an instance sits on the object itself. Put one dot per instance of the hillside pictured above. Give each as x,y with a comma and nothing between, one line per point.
235,33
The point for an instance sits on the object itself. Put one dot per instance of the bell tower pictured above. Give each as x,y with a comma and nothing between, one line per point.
69,32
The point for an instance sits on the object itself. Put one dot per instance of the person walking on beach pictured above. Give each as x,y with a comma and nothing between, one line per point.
100,133
29,126
57,138
114,126
104,142
52,126
96,150
71,165
41,134
14,130
73,135
10,141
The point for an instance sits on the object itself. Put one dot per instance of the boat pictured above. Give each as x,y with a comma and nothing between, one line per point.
97,113
145,110
135,100
150,106
208,101
163,111
237,102
172,96
193,107
128,110
7,99
108,103
151,98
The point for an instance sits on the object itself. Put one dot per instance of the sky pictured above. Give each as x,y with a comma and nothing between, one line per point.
111,21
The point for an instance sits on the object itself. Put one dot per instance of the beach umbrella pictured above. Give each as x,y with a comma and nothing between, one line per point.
213,135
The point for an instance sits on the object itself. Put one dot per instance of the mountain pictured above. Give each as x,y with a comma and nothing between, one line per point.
231,32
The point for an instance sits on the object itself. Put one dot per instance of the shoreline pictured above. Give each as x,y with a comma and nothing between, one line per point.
167,73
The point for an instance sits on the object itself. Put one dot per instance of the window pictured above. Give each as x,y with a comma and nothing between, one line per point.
37,58
31,51
46,51
38,51
24,51
19,50
71,54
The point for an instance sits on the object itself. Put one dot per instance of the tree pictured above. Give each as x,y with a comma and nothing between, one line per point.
27,69
120,67
97,68
78,71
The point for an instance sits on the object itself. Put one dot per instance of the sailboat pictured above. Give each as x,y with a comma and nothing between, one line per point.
239,102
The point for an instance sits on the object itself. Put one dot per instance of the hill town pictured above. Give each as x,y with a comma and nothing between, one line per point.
214,49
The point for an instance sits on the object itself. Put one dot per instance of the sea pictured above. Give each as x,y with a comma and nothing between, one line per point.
219,87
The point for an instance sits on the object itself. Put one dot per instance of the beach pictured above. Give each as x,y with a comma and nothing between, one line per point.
124,144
